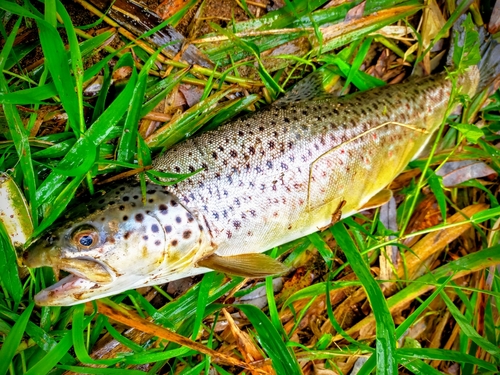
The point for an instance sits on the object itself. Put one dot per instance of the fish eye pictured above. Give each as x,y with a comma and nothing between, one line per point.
85,236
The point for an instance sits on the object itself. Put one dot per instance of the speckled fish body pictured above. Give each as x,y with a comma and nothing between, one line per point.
266,179
281,173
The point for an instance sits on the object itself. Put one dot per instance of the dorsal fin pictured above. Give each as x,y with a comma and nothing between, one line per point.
246,265
309,88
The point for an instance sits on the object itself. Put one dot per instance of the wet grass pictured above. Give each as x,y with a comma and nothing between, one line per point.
347,303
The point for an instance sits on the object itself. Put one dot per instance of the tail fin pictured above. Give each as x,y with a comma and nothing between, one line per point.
489,66
489,49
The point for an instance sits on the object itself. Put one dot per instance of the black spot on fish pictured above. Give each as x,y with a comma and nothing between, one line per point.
151,191
111,203
214,155
151,200
190,217
163,209
261,128
127,235
139,217
125,198
135,197
122,188
233,153
173,203
121,208
186,234
200,227
125,218
174,242
287,120
155,228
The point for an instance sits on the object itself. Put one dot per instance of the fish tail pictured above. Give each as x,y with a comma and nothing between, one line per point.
489,48
489,66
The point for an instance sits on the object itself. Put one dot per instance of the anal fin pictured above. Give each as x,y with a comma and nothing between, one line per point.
246,265
379,199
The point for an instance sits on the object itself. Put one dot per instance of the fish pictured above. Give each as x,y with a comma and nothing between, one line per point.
264,179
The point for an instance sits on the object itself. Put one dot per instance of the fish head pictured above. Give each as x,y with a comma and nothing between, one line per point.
114,246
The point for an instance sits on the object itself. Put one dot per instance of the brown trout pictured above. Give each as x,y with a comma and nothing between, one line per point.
266,179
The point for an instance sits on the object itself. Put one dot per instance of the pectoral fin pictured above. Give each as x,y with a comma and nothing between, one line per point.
379,199
246,265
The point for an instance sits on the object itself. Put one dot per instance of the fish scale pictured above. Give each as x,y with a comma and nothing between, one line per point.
276,176
265,179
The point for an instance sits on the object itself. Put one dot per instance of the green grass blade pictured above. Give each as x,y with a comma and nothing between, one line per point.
418,367
403,327
205,286
9,276
322,248
57,64
122,339
273,310
96,134
385,331
284,362
52,358
76,66
468,329
78,340
101,371
16,127
13,339
188,122
444,355
150,356
128,141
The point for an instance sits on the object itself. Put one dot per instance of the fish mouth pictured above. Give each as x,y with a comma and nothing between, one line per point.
68,291
86,274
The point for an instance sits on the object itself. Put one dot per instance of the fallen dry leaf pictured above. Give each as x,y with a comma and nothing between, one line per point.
247,347
456,172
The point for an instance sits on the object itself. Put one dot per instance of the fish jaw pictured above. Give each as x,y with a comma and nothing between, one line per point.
86,268
73,290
